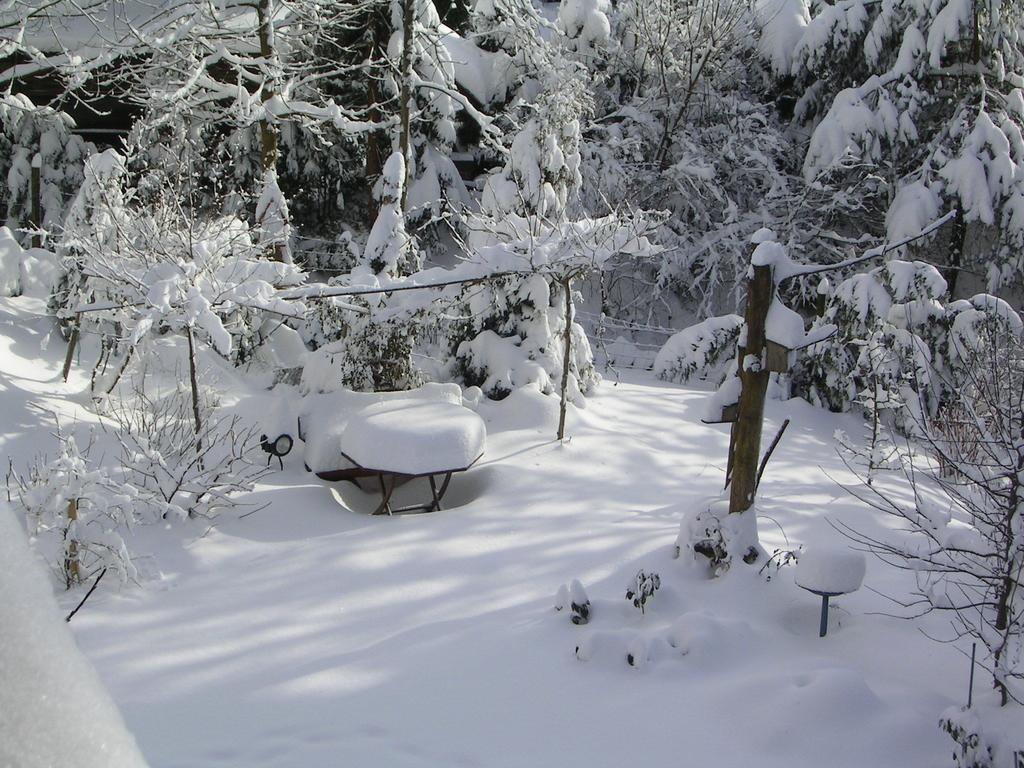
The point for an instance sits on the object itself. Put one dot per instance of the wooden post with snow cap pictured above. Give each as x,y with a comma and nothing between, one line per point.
37,201
753,373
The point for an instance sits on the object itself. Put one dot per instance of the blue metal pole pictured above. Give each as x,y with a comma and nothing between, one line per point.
824,616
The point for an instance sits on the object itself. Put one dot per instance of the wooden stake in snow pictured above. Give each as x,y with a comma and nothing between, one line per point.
72,343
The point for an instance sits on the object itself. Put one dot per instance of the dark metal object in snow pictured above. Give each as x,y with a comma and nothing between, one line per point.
280,447
388,481
823,627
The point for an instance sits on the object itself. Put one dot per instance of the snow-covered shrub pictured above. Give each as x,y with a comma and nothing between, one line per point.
513,336
574,597
367,349
514,328
157,266
273,227
983,738
541,176
365,342
389,248
10,264
79,508
699,351
966,522
27,130
190,459
642,589
585,25
711,532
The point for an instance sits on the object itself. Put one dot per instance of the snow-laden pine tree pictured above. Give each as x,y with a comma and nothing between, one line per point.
923,99
363,343
28,131
513,328
903,307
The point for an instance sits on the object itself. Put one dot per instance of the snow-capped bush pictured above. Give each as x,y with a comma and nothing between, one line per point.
700,351
155,267
585,25
79,509
711,532
574,598
984,738
188,458
895,336
642,589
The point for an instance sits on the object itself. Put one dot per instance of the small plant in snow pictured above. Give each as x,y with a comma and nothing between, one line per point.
78,509
642,589
574,597
779,559
979,745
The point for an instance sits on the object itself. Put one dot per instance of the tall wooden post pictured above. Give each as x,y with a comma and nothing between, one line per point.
753,373
37,201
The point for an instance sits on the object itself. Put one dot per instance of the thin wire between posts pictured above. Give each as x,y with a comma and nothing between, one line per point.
622,343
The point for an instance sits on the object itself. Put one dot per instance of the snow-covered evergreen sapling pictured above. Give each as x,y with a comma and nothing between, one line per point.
642,589
573,597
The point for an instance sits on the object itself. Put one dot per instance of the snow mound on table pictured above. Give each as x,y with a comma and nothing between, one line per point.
837,570
324,417
55,711
414,438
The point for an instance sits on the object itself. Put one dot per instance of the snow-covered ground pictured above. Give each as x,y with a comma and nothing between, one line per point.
311,634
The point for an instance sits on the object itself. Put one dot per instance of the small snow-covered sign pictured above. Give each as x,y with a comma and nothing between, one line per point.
830,571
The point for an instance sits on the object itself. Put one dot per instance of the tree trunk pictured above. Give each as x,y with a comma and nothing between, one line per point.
1007,584
566,357
753,373
405,108
268,130
193,380
72,568
37,201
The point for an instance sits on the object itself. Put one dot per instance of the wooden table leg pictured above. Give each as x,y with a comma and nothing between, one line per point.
386,490
439,494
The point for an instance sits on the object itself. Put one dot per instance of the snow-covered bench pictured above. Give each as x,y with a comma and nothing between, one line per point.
393,437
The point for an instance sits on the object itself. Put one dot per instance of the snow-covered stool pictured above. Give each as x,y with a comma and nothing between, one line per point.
392,437
829,572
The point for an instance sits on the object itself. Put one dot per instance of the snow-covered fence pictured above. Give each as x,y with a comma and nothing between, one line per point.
623,343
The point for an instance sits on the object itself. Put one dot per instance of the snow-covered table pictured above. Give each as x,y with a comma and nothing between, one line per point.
393,437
